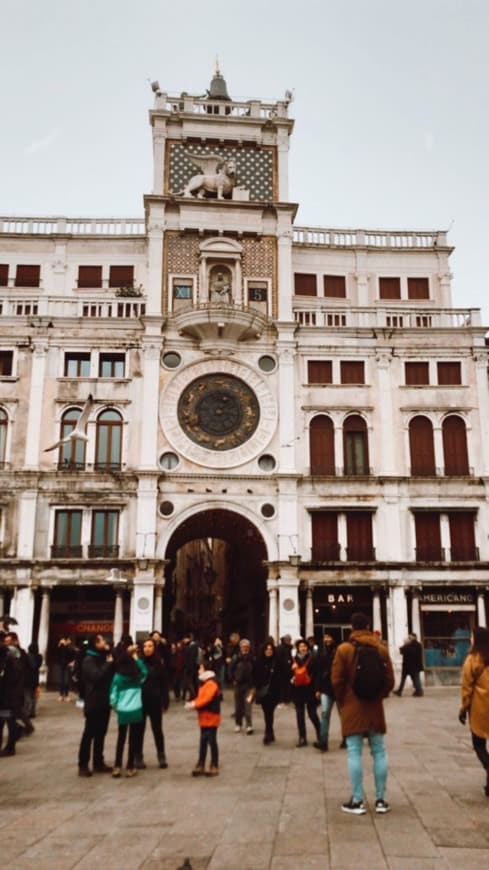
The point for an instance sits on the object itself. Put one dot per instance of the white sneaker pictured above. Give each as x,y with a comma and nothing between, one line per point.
237,729
249,730
357,808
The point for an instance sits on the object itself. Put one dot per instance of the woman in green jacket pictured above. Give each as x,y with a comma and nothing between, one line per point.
126,699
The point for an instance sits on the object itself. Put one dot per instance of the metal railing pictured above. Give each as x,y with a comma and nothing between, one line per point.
430,553
66,552
103,551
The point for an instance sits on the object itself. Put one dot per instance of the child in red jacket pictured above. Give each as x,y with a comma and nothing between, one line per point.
208,705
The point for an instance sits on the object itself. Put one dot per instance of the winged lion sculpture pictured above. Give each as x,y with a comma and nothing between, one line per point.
217,177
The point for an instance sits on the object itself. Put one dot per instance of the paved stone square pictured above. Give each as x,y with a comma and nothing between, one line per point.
272,807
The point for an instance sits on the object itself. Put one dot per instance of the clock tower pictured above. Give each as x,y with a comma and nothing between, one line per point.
220,294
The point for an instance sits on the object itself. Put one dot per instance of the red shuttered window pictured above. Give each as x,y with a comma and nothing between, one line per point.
389,288
121,276
418,288
305,284
352,372
359,546
422,447
319,371
28,276
321,445
462,536
89,276
455,452
325,547
334,286
417,374
3,274
428,537
449,373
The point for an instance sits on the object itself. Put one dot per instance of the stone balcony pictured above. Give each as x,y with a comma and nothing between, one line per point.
211,321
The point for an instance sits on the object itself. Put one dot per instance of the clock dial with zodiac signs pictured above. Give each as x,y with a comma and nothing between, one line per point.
218,411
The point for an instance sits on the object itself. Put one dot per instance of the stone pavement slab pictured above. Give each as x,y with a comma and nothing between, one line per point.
271,808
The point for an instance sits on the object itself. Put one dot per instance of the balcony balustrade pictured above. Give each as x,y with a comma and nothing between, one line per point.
103,551
318,314
66,551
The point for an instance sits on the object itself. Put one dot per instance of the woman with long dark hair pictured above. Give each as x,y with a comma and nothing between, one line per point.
155,700
268,684
126,699
475,696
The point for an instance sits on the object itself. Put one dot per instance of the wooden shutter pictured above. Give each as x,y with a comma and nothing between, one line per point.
428,537
321,445
455,452
27,276
89,276
417,374
421,447
462,536
352,371
121,276
389,288
305,284
319,371
449,373
3,274
418,288
334,286
359,536
325,546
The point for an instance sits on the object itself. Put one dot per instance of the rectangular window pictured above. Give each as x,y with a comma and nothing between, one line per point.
417,374
105,530
77,365
305,284
418,288
6,363
359,546
121,276
449,373
335,286
89,276
257,292
319,371
112,365
428,537
352,371
389,288
182,289
462,536
67,534
28,276
3,274
325,546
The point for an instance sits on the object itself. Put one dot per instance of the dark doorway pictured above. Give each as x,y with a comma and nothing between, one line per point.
216,579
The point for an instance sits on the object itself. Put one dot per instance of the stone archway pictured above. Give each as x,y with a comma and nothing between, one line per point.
216,577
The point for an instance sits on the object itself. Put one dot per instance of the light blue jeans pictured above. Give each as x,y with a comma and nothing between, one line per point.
326,707
354,743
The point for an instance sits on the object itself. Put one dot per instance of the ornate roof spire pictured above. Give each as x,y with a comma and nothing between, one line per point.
218,89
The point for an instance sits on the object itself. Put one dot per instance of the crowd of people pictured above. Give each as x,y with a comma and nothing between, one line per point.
136,681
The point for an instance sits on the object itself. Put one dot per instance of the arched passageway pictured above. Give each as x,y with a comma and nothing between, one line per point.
215,577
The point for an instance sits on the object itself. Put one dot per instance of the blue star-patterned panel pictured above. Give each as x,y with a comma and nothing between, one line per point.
254,167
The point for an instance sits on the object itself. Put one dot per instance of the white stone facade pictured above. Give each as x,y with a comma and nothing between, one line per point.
138,350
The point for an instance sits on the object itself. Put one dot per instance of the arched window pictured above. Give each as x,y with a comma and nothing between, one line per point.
455,453
71,454
321,445
421,447
355,445
108,450
3,435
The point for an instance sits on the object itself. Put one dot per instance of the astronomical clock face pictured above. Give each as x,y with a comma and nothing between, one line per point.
218,411
218,419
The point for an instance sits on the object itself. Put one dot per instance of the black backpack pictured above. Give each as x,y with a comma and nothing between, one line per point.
369,672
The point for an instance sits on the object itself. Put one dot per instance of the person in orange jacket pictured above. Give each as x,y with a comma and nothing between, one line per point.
208,705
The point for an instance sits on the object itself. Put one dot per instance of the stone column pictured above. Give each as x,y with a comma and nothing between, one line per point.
272,609
24,614
376,612
445,536
385,461
285,288
142,603
13,598
342,539
481,609
309,621
338,449
438,448
148,422
398,622
43,634
283,164
118,615
2,604
155,261
480,460
158,608
35,408
415,613
287,432
159,142
288,595
27,523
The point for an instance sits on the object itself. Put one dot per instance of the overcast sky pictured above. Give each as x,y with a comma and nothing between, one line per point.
391,106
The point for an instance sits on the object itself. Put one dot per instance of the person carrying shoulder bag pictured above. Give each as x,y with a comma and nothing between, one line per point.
475,696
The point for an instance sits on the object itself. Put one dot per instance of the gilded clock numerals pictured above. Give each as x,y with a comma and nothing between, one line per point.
218,411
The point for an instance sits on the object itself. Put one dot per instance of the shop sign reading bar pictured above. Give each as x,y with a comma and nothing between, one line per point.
339,598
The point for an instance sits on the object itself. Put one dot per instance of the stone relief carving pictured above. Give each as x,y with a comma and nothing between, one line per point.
217,177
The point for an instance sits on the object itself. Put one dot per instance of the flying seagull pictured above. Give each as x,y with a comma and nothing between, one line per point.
80,430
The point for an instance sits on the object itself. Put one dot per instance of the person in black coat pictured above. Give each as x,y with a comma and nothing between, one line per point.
285,654
155,700
268,686
31,686
324,688
242,676
96,675
303,695
412,665
11,695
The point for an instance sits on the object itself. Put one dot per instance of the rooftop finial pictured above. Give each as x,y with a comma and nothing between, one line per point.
218,71
218,89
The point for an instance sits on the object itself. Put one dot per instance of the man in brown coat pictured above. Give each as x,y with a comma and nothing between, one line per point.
361,717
